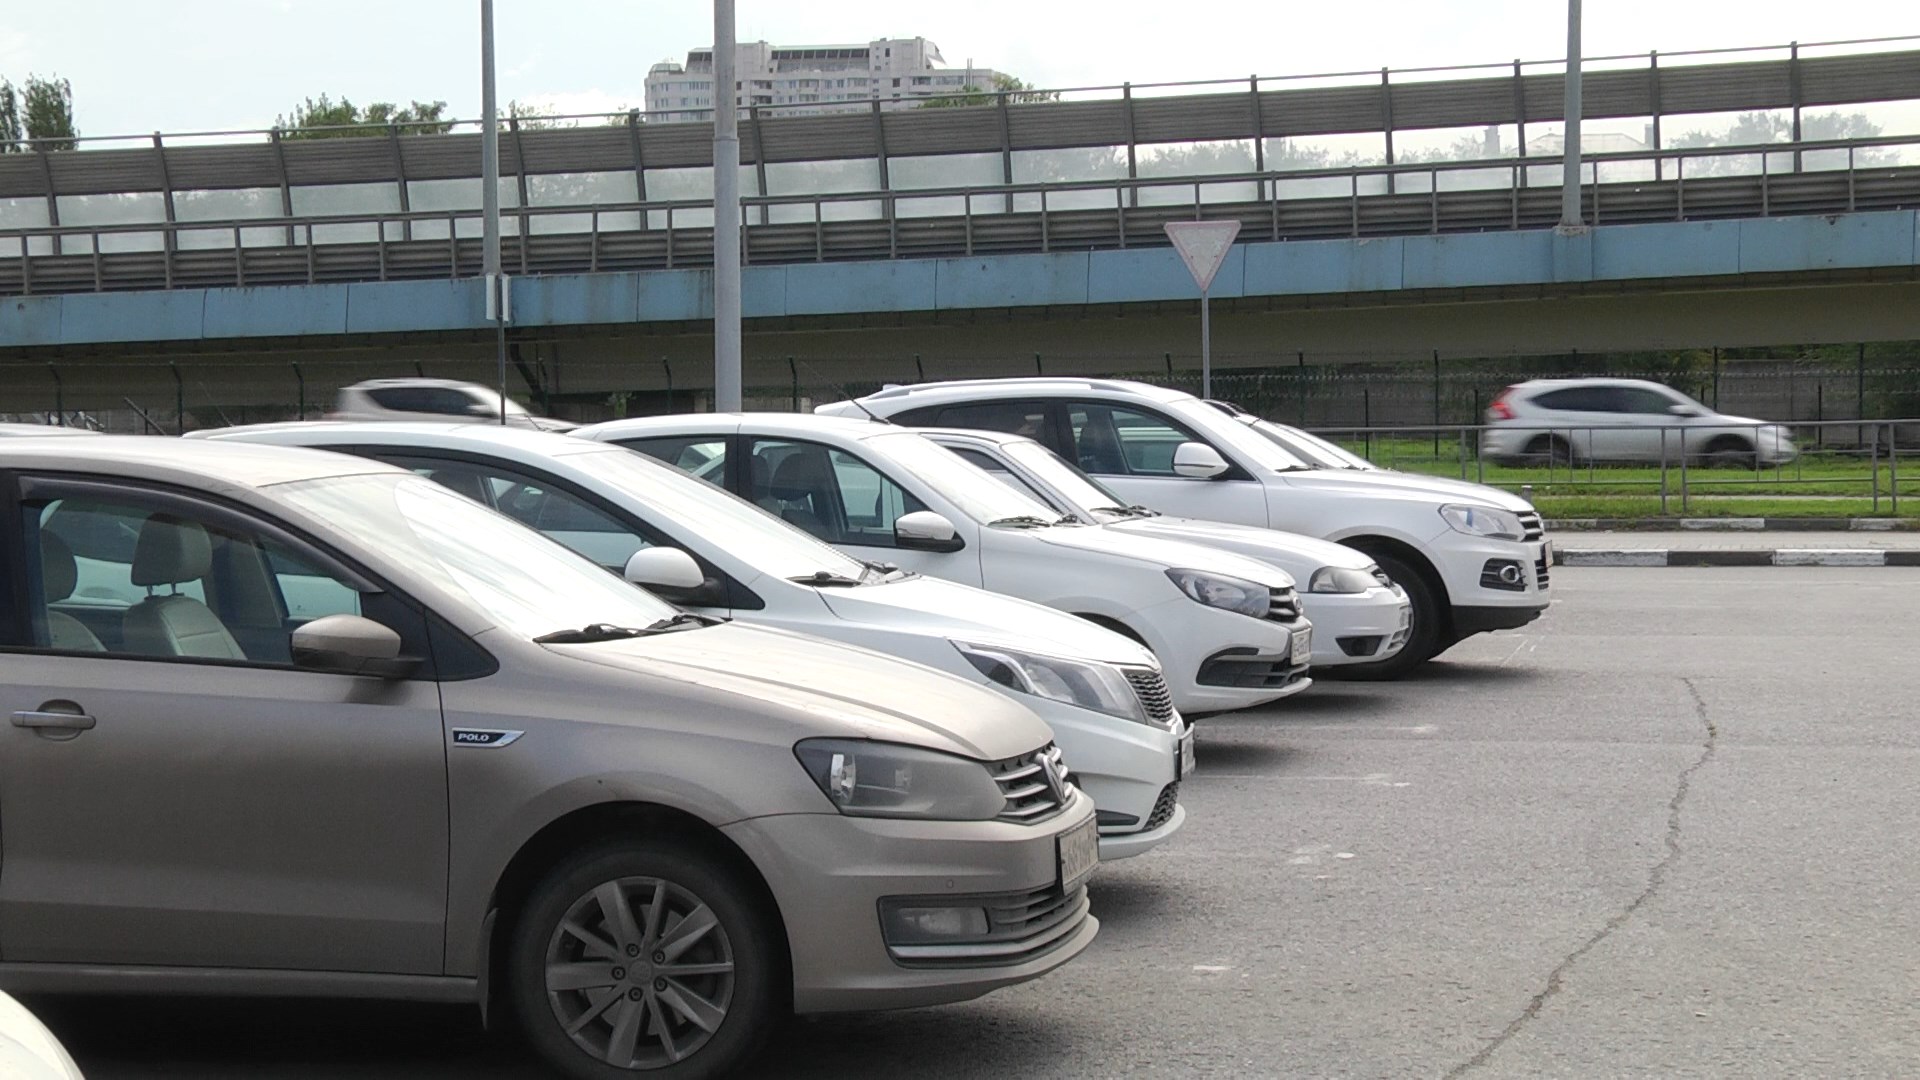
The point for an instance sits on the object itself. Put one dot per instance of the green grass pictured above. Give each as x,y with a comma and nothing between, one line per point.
1555,507
1822,477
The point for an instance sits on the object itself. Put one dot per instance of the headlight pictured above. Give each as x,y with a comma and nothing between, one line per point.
1341,579
1221,591
1483,521
1088,684
876,779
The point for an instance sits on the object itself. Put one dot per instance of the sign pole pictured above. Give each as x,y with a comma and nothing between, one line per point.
1203,246
1206,349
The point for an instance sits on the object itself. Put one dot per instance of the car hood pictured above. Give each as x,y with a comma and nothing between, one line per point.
830,689
924,605
1407,485
1292,552
1165,553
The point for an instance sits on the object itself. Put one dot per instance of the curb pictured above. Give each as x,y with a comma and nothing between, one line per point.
1754,557
1749,524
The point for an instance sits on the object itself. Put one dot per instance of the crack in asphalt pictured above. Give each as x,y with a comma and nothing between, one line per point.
1656,877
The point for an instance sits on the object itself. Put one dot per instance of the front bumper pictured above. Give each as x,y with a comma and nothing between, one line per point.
1372,624
829,873
1187,637
1465,563
1124,765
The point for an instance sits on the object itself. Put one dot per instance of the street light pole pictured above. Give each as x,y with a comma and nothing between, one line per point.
1570,161
726,214
490,201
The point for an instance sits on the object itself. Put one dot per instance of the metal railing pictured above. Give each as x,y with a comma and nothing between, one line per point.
1680,463
1431,197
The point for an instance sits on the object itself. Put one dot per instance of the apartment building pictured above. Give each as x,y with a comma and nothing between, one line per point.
812,78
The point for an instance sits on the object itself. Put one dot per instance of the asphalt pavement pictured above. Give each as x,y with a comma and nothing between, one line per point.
1666,831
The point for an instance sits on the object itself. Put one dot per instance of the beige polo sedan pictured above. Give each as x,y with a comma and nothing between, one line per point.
293,723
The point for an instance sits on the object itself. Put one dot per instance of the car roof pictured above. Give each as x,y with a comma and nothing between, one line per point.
1048,385
505,438
1598,380
34,431
420,380
795,424
188,462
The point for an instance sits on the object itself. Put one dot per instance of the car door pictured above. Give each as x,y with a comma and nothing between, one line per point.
842,498
1651,426
570,515
1586,417
173,790
1130,448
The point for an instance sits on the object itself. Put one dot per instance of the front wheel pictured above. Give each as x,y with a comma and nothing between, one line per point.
1425,637
638,960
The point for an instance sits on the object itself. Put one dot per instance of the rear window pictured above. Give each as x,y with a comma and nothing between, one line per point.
438,400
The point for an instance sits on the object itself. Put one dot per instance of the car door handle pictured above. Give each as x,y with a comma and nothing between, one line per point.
57,721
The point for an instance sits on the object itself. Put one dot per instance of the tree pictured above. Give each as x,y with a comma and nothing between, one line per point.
38,116
1016,91
1762,128
328,119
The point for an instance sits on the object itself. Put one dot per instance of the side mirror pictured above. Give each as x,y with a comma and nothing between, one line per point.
924,530
665,568
351,645
1198,461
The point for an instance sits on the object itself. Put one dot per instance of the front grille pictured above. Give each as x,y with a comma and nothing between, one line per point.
1163,807
1231,668
1026,783
1283,606
1020,926
1151,688
1530,526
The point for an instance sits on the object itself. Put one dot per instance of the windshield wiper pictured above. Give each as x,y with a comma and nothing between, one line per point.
1127,511
828,578
595,632
1027,521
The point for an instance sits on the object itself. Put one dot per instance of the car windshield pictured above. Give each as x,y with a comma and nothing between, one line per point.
970,489
718,517
526,583
1251,445
1311,448
1081,492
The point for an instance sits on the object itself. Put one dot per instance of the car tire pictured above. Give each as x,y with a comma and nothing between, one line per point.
1728,452
1425,639
1549,449
628,907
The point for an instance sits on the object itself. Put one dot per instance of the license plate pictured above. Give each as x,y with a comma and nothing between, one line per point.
1546,552
1302,652
1183,757
1079,854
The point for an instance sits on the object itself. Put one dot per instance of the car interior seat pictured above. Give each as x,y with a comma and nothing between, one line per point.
59,575
171,553
1099,447
807,479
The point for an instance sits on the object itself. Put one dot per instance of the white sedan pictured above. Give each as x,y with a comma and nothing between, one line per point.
1358,614
708,551
1227,629
28,1051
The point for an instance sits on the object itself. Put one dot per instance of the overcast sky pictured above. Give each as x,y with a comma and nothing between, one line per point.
198,65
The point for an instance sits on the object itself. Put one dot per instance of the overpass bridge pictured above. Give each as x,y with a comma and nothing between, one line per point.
984,235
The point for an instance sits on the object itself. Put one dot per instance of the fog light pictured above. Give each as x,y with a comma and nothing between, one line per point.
913,925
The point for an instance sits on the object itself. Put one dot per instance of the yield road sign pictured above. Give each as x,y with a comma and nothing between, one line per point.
1203,246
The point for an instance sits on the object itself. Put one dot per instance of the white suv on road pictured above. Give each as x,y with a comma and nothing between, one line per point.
1227,630
1623,420
1471,558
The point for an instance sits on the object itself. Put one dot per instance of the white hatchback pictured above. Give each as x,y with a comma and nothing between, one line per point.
713,553
1228,630
1570,421
1358,614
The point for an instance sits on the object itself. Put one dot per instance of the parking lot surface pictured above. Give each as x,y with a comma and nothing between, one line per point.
1668,831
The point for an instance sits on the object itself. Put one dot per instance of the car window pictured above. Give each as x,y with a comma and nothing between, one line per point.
438,400
997,469
1113,440
1027,418
123,578
1638,399
829,492
702,455
1583,399
536,503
